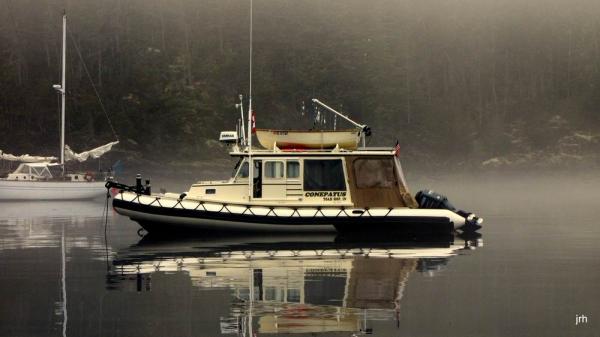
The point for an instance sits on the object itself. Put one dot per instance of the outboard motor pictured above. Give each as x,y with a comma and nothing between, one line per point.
428,199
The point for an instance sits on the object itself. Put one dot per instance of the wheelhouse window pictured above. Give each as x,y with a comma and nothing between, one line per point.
243,171
274,169
293,295
324,175
374,173
293,169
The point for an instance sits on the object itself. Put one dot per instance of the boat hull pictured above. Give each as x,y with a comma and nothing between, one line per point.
50,190
166,215
290,139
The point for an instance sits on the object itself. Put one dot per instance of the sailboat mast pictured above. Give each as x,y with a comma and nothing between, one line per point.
250,113
63,91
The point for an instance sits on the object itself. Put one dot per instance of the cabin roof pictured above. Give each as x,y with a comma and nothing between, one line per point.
361,151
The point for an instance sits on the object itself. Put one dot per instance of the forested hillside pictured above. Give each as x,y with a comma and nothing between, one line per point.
470,82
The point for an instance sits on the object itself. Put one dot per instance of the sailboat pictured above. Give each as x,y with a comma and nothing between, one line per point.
43,178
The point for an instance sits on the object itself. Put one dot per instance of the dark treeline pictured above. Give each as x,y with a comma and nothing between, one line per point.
468,81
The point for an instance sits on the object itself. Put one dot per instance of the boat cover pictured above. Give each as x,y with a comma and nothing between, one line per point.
375,182
69,155
25,158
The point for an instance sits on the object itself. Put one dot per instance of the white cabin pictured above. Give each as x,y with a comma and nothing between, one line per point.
35,171
361,178
46,171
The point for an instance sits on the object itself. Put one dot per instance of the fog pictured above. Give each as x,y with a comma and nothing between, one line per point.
464,84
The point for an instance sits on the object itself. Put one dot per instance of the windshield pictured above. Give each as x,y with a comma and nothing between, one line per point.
243,171
236,167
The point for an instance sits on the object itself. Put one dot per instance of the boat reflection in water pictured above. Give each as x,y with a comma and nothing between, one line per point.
293,284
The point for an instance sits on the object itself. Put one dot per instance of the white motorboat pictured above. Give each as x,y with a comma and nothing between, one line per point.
296,190
41,178
276,190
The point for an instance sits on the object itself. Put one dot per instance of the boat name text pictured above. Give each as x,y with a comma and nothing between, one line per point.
327,196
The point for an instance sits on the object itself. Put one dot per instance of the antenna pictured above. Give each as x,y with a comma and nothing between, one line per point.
241,106
250,113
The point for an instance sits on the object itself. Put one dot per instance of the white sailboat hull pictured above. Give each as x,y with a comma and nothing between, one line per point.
50,190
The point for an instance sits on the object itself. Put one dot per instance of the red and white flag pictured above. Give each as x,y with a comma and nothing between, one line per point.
397,149
253,122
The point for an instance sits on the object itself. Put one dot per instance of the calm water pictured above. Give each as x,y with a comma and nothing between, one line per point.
535,267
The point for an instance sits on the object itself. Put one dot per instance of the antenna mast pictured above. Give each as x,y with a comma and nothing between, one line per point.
250,113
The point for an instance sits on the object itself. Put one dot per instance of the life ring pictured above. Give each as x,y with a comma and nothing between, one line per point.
89,177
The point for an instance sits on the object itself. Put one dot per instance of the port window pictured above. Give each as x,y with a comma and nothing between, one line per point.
293,169
374,173
274,169
324,175
273,294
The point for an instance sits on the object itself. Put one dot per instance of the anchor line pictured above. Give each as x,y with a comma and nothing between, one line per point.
105,213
